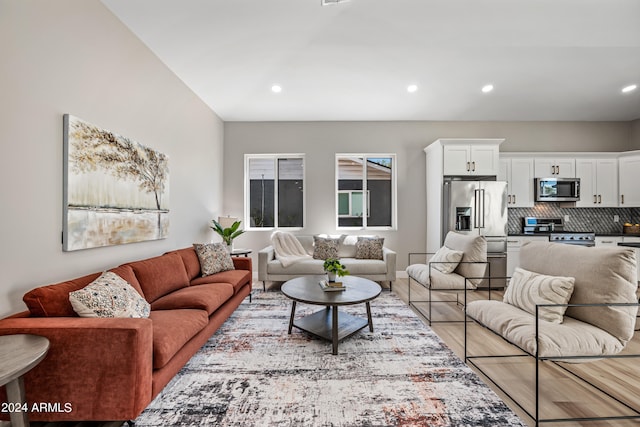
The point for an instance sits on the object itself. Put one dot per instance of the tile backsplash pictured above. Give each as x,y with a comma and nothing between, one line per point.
599,220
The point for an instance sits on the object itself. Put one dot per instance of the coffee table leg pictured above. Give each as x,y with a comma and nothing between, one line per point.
334,329
293,313
369,317
15,394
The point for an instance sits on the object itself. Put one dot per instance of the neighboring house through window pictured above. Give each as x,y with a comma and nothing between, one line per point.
366,190
274,190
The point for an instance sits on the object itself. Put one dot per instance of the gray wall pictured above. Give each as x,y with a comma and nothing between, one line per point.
321,140
74,56
634,135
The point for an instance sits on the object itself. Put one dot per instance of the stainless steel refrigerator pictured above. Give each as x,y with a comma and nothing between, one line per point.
479,207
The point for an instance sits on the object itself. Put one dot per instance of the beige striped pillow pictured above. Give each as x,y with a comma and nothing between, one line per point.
446,260
526,289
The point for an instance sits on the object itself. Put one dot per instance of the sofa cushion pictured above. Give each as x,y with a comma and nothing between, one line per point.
527,289
190,260
358,267
602,275
446,260
214,258
369,247
53,300
237,279
325,247
109,296
172,329
206,297
570,338
438,279
308,266
475,251
160,275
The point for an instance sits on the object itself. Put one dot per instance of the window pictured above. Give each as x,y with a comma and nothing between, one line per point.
350,203
274,190
365,190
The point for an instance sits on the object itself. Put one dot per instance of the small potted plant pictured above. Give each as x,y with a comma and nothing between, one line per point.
334,268
227,234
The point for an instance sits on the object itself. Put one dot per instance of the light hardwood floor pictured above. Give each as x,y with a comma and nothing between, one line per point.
561,394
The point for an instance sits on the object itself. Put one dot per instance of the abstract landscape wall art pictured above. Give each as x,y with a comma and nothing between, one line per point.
116,191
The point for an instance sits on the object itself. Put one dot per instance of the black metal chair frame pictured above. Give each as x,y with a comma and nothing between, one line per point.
556,361
430,288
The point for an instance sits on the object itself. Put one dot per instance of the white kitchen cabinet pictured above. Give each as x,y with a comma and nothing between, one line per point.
479,159
513,250
518,173
607,240
598,182
560,167
629,180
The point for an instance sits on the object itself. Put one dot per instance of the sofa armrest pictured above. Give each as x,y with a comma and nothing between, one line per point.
264,256
242,263
389,256
100,368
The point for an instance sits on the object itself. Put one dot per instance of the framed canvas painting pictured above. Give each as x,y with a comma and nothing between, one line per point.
116,190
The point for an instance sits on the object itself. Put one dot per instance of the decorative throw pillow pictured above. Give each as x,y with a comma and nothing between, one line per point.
369,247
446,260
325,247
213,257
109,296
526,289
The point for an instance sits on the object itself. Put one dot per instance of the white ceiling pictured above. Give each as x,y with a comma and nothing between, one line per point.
548,59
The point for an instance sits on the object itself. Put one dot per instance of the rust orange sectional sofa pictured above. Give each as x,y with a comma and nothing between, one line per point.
111,368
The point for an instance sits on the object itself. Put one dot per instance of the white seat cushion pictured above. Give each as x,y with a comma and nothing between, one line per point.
438,280
364,266
570,338
307,266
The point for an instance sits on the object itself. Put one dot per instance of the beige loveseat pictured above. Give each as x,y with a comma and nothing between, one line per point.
597,288
384,270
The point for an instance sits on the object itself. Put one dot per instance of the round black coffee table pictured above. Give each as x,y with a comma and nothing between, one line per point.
331,324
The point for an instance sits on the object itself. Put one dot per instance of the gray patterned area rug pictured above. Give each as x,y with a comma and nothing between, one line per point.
252,373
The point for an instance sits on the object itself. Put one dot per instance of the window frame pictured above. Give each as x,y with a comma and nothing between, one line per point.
366,192
247,189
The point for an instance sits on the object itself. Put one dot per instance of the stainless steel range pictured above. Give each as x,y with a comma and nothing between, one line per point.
574,238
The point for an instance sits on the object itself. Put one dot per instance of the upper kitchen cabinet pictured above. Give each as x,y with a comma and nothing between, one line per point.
629,179
474,157
518,172
598,182
555,167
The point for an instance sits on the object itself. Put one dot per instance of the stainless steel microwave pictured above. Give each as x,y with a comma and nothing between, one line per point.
557,189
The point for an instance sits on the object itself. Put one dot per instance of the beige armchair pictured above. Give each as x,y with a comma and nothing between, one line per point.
460,264
565,304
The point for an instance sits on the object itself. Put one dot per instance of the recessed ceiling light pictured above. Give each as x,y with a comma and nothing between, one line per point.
412,88
629,88
487,88
276,88
330,2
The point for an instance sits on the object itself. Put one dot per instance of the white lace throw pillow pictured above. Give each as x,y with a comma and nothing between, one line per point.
109,296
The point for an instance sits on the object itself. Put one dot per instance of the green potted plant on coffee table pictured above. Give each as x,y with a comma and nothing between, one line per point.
334,268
